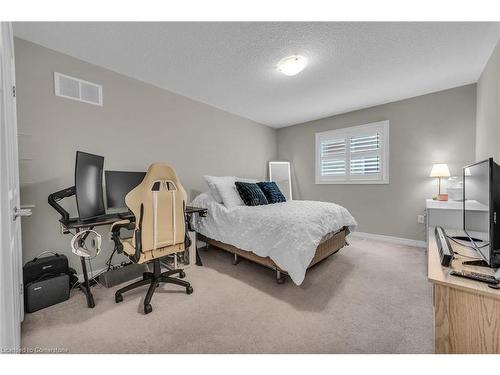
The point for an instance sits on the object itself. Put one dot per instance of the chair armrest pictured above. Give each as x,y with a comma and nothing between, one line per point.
115,232
116,226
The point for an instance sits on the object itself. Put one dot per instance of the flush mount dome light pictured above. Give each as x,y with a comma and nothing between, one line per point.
292,65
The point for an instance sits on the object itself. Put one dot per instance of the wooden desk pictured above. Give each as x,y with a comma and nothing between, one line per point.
466,312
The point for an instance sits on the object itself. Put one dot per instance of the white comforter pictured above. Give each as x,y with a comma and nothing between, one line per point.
288,232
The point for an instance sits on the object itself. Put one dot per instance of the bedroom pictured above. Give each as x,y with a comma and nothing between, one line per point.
280,169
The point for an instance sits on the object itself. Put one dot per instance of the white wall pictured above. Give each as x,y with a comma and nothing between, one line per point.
433,128
137,125
488,110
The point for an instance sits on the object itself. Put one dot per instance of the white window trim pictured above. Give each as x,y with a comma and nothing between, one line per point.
347,132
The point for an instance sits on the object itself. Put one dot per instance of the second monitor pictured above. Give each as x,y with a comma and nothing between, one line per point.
119,184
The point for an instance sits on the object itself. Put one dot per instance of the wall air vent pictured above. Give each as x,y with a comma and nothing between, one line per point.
77,89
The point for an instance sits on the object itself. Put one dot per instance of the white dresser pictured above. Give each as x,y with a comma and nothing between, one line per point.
449,214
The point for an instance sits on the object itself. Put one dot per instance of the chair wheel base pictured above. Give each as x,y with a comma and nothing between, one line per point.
153,280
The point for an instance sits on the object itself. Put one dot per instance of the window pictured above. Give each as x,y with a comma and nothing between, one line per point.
354,155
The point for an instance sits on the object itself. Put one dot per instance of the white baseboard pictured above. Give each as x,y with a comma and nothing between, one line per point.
381,237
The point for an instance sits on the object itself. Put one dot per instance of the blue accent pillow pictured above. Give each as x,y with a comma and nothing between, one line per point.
250,193
272,192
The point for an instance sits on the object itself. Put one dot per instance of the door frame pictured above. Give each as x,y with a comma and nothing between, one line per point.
11,287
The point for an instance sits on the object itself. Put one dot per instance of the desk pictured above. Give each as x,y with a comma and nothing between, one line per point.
108,219
466,312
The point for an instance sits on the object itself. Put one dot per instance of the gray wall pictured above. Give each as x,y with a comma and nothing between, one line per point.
488,109
138,124
434,128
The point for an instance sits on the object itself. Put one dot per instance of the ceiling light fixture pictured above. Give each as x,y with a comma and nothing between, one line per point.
292,65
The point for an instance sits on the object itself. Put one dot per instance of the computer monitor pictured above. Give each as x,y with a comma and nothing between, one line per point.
482,193
88,185
119,184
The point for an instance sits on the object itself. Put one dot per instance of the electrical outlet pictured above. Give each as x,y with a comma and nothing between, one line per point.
420,219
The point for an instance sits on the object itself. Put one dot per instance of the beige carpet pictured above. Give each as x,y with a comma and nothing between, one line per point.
371,297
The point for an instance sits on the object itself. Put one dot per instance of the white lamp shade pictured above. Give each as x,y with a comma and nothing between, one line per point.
440,170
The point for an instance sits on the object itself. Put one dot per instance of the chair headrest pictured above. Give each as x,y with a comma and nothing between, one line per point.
159,171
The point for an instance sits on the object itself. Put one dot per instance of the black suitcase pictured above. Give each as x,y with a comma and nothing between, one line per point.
54,264
48,290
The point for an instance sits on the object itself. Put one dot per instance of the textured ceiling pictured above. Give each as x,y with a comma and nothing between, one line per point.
231,66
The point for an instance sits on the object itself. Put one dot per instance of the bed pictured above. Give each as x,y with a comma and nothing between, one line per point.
288,237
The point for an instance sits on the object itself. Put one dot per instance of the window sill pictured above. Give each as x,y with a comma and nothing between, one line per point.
360,182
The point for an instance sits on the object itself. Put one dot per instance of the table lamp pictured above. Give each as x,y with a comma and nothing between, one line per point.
440,170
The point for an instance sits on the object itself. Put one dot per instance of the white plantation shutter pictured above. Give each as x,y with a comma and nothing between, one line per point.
365,165
358,154
333,157
334,167
365,155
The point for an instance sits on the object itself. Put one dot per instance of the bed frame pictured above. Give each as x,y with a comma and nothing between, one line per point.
323,251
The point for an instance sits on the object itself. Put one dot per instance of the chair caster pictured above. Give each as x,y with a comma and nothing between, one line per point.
147,309
280,280
189,290
182,275
118,298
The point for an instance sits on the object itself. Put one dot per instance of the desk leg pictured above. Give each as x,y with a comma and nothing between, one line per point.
194,246
85,288
86,285
198,260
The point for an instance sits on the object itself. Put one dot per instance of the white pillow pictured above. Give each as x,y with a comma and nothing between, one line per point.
249,180
210,180
227,191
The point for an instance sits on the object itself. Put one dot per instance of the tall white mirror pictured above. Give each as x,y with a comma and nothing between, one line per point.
279,172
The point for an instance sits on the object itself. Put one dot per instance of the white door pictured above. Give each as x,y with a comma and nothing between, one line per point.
11,288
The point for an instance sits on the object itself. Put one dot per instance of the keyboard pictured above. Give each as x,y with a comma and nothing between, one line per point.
488,279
